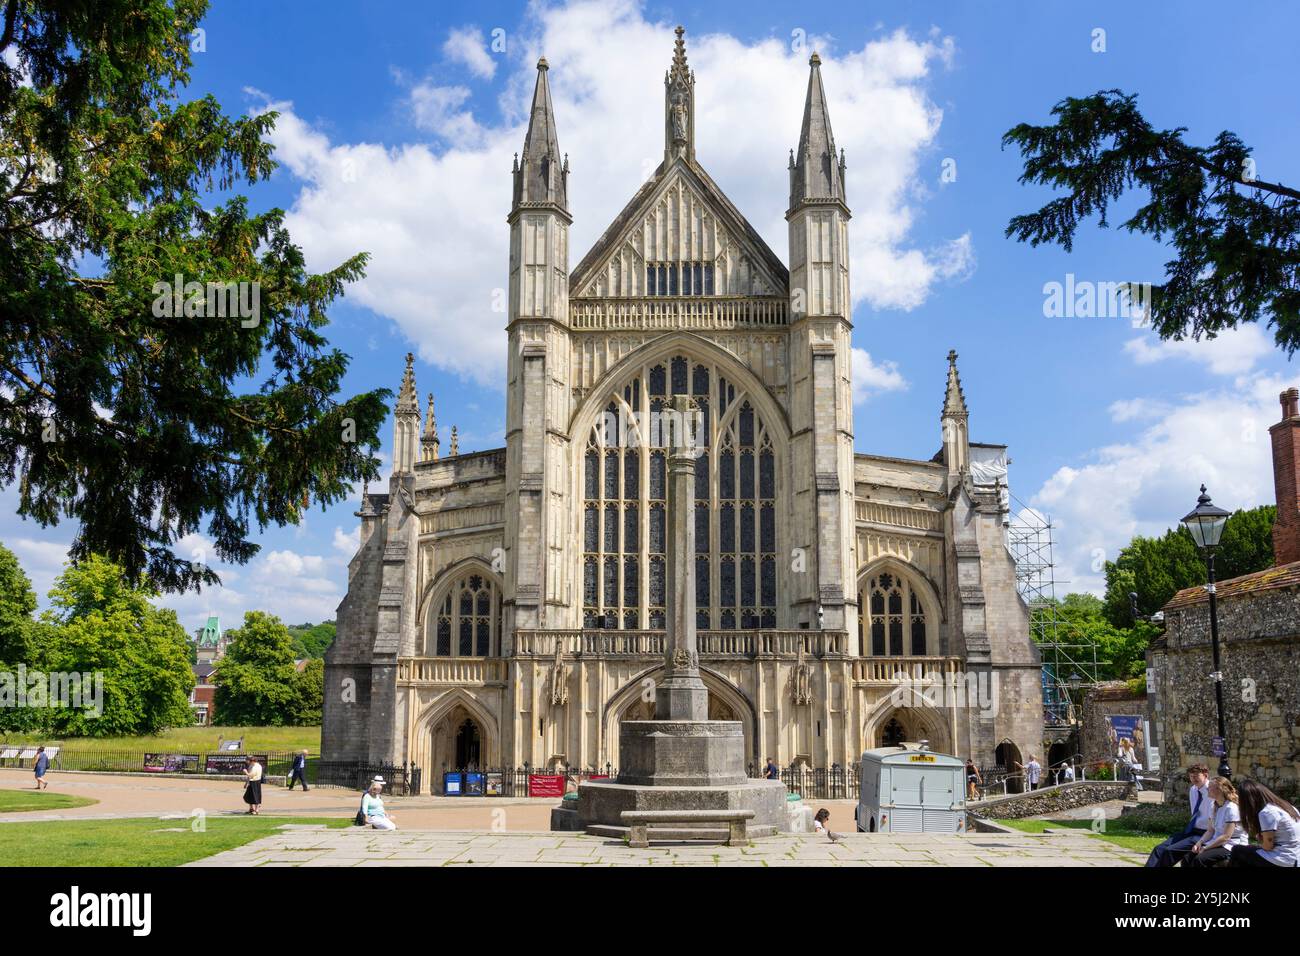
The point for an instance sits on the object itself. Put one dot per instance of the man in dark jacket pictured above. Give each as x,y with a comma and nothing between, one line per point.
299,771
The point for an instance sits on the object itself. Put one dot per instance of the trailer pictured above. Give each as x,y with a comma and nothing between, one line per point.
910,789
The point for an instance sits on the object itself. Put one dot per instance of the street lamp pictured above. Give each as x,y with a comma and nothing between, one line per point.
1206,525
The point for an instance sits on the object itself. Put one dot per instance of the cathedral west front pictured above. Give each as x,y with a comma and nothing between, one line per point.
507,607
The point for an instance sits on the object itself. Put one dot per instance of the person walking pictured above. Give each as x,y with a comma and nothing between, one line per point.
1225,832
1033,772
772,771
41,765
372,807
973,780
253,785
1272,821
1172,850
299,771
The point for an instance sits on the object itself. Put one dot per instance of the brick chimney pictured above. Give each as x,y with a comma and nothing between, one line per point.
1286,483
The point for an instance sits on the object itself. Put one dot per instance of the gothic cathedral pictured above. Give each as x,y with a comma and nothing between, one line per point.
507,606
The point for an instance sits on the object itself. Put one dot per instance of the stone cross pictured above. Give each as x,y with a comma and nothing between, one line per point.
681,695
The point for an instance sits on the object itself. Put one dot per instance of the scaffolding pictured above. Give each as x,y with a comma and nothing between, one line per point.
1069,662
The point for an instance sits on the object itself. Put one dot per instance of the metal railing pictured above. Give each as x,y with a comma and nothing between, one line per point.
817,783
403,780
91,760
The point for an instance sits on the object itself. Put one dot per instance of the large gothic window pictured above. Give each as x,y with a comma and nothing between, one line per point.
892,621
466,620
625,530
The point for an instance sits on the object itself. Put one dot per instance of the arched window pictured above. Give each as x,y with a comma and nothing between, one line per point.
892,621
625,486
466,620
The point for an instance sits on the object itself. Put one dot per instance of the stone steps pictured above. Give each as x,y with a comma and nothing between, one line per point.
680,832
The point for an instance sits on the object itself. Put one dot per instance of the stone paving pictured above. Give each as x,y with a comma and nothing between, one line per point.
366,847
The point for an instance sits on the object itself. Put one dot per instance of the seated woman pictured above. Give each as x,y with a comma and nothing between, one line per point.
373,807
1225,832
1273,822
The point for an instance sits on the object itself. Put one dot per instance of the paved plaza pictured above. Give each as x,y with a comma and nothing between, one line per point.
364,847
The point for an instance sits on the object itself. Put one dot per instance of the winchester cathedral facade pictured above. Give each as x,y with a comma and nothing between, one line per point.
506,607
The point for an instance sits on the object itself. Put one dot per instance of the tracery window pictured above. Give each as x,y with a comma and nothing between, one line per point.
466,621
625,500
892,618
679,278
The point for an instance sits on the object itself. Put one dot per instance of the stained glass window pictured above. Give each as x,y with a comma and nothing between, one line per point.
884,625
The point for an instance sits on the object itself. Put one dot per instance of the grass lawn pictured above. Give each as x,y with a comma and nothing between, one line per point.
196,740
20,801
1139,829
151,842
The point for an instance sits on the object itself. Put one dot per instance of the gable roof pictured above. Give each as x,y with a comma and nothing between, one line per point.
625,221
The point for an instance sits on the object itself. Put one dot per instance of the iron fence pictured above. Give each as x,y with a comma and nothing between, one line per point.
399,779
817,783
275,762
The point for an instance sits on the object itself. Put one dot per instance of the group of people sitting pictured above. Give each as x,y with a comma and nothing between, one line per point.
1225,818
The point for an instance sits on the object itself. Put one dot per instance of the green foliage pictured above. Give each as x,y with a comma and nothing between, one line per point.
257,682
142,417
1081,619
1236,237
1157,568
101,624
312,640
17,604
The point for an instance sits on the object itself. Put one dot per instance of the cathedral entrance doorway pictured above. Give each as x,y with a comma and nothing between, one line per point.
1007,756
469,744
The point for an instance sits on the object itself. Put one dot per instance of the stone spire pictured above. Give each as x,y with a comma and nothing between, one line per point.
541,178
430,441
455,441
816,172
954,400
406,422
679,104
955,422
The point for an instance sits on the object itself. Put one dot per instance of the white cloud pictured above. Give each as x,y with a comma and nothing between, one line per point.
345,542
432,217
437,109
465,45
1144,486
1230,353
870,376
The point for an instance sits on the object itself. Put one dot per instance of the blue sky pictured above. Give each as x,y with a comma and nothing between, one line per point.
397,124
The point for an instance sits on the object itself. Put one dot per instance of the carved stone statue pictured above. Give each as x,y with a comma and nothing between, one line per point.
679,117
559,678
801,681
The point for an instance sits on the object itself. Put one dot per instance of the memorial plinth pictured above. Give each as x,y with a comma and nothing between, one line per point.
681,760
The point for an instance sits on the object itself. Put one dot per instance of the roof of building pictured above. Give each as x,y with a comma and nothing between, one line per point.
203,669
210,635
1282,576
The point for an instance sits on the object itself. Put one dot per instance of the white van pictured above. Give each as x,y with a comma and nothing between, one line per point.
909,789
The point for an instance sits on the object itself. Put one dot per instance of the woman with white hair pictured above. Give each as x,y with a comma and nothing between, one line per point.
372,807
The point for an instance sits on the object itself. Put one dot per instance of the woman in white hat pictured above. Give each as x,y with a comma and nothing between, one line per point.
373,807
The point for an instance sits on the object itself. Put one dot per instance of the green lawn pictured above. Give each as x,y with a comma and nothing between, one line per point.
1139,829
195,740
149,842
21,801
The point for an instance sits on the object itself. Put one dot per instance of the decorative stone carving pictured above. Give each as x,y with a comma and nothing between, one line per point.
559,678
801,681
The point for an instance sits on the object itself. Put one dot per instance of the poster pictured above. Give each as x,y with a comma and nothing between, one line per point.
232,764
1125,727
171,763
494,785
546,785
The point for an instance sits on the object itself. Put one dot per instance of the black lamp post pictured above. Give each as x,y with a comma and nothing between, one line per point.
1206,525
